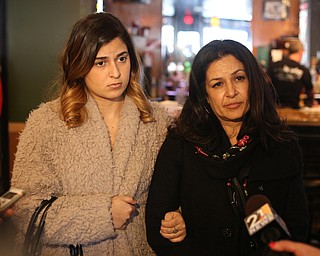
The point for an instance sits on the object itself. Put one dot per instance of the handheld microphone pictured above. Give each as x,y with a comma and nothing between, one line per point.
264,225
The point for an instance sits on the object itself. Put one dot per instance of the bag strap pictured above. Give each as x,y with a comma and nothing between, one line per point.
237,192
238,196
34,232
76,250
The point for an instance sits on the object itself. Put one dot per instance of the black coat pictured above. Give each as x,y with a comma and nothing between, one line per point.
199,184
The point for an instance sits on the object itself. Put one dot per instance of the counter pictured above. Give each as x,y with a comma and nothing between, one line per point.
306,123
301,117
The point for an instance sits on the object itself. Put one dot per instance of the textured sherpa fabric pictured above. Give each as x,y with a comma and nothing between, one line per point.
78,166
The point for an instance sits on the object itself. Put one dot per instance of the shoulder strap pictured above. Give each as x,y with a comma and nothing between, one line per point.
34,232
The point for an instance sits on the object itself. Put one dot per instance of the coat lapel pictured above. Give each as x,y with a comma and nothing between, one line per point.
126,142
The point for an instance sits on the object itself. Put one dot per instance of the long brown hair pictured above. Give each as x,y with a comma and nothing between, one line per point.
262,117
88,35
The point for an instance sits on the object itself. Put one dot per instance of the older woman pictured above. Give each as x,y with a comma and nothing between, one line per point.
228,144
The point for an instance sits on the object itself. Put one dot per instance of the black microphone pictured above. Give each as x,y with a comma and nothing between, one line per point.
264,225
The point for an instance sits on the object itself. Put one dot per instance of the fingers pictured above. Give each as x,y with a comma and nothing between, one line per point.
122,210
281,246
173,227
8,213
172,219
299,249
128,199
169,216
169,227
174,234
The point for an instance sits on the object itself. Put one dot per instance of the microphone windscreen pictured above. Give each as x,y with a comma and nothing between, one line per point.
255,202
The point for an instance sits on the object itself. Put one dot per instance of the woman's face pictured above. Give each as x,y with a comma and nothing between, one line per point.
110,74
227,88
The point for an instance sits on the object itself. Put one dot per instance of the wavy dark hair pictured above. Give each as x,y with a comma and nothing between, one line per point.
262,117
88,35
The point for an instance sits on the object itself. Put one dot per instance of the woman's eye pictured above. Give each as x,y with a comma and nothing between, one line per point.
100,63
122,58
240,78
216,84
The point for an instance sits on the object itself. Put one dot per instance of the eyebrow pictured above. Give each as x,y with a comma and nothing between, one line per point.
238,70
106,57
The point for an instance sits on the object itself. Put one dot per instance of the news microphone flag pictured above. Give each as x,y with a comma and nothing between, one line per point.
264,225
262,217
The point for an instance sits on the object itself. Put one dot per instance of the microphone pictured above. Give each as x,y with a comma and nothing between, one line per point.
264,225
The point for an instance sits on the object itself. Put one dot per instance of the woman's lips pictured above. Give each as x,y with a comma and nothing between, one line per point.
115,85
233,105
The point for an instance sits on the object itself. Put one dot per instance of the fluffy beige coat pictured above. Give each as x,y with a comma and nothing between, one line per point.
78,166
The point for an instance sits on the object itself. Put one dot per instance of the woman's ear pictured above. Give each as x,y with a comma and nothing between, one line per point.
207,101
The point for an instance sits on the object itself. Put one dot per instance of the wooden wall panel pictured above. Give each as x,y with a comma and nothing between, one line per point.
149,15
264,31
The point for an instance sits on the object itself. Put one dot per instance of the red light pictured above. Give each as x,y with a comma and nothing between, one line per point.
188,19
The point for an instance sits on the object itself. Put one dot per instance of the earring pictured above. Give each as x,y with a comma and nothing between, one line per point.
205,108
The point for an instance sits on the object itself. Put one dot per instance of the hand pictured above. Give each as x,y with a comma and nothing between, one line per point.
6,214
121,210
173,227
298,249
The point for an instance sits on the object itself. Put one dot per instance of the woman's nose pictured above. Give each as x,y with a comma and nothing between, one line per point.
114,71
231,90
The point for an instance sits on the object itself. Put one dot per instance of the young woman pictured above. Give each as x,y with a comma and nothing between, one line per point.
94,148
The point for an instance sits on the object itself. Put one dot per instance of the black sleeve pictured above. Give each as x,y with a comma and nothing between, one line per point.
307,79
164,196
308,86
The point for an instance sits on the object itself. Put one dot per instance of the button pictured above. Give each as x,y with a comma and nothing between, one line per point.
227,233
252,244
260,187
